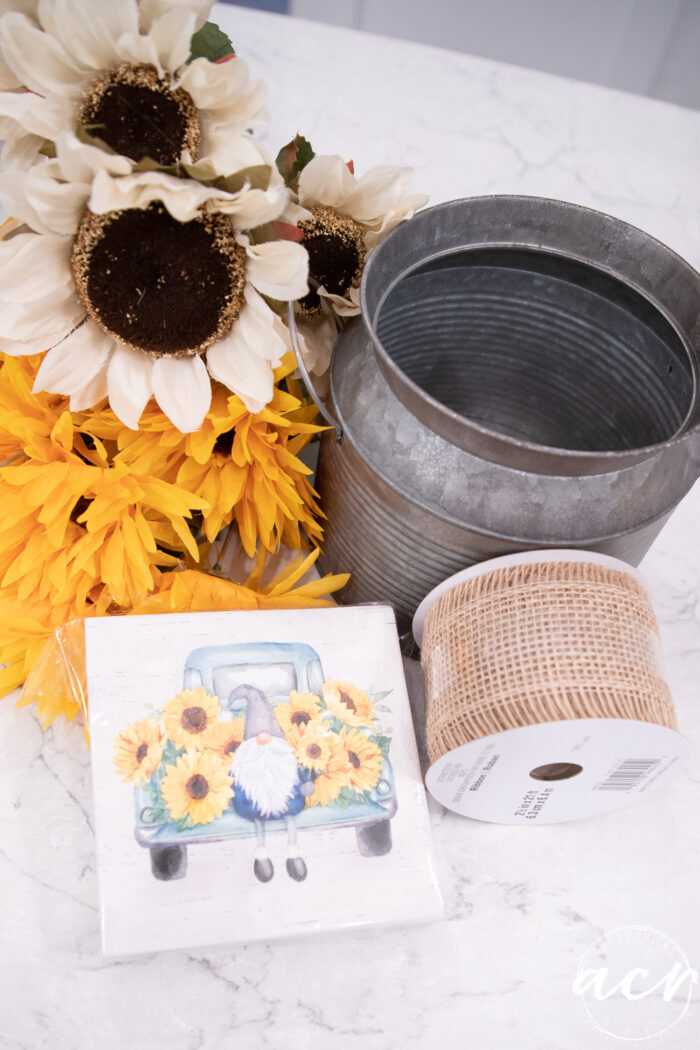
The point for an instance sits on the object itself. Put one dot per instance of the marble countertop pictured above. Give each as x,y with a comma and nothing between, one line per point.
523,904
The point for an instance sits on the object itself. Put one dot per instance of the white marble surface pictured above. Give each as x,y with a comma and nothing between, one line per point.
523,904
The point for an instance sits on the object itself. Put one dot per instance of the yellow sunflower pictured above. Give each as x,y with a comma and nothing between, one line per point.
226,737
138,750
192,591
70,527
363,760
242,467
313,744
36,425
348,703
191,717
328,783
295,716
198,786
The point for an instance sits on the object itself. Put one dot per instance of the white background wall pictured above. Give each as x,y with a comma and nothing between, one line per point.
651,47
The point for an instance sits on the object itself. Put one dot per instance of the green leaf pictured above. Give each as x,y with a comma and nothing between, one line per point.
184,823
210,42
255,177
170,754
380,696
84,133
293,158
382,742
382,707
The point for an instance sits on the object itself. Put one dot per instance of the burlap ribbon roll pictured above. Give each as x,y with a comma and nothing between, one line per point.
542,641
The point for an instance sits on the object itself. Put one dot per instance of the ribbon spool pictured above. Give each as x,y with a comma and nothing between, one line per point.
545,689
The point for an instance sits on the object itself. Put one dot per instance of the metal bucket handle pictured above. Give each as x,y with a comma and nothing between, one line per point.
315,396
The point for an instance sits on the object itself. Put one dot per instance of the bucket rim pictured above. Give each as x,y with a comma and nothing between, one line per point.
493,444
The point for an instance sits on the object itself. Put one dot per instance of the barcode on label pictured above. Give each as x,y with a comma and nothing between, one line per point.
628,774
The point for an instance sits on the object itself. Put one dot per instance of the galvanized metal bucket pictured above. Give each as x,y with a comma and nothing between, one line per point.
525,375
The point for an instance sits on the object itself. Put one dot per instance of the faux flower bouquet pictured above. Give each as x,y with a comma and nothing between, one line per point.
150,419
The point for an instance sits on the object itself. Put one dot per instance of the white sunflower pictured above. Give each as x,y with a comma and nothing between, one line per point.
8,80
132,283
120,70
349,216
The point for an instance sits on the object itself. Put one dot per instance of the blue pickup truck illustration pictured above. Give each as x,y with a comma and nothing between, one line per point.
275,748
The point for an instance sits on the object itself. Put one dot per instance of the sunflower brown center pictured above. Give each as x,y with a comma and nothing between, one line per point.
300,718
348,701
194,720
135,112
142,752
231,747
313,751
167,288
353,759
197,786
335,244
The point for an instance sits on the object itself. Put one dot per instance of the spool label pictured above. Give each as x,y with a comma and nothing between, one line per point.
557,771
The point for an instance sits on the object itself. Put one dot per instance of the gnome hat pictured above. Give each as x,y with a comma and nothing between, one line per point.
259,716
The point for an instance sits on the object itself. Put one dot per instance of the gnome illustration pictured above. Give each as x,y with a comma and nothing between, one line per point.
267,781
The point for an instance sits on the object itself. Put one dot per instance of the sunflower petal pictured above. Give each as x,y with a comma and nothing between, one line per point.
129,382
325,180
30,262
239,367
39,61
150,10
183,391
182,197
241,360
377,191
46,319
279,269
89,41
89,395
79,160
41,200
28,111
223,150
75,361
226,87
171,34
19,151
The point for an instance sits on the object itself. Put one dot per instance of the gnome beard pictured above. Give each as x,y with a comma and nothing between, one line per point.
267,773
